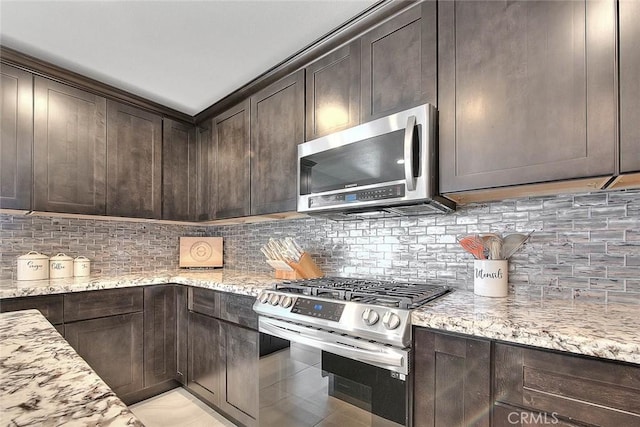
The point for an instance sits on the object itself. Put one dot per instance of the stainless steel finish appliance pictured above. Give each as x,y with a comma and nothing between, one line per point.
360,325
389,164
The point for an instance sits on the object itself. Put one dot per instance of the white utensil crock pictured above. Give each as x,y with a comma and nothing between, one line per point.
81,266
60,266
490,277
33,266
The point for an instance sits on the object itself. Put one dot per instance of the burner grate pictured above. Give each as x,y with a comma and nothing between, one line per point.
385,293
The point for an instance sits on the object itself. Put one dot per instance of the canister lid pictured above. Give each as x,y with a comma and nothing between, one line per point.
81,259
33,255
61,257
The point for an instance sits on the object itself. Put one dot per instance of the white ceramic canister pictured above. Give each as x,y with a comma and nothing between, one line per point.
81,266
490,277
33,266
60,266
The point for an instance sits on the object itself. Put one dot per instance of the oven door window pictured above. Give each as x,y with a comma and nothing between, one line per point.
370,161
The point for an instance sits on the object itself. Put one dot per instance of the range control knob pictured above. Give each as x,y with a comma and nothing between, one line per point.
264,297
370,317
390,320
273,299
286,301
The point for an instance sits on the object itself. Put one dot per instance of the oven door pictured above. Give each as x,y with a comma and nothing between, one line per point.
383,356
323,378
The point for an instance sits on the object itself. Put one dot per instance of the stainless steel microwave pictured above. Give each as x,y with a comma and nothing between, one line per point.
388,165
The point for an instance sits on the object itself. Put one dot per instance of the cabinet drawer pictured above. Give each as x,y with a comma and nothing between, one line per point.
204,301
238,309
49,305
510,416
91,305
577,388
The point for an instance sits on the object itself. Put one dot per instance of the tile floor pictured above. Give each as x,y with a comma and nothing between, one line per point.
177,408
293,393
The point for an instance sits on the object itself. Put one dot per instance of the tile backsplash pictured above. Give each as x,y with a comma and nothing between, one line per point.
585,246
114,247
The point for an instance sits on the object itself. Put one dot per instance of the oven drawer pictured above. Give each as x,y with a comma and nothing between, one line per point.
571,387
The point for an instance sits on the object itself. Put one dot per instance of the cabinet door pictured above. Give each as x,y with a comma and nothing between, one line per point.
629,85
69,149
526,92
399,63
112,346
333,92
586,391
159,334
204,357
231,138
206,164
16,115
452,380
179,171
277,127
510,416
240,380
134,160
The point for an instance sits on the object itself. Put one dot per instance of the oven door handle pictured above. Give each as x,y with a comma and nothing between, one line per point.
394,361
408,153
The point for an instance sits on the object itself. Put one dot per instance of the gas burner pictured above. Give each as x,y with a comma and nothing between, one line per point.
377,292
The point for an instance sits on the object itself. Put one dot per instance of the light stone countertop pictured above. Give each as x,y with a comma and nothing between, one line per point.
595,329
218,279
608,331
43,381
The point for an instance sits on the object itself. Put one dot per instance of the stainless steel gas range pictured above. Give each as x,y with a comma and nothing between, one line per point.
362,327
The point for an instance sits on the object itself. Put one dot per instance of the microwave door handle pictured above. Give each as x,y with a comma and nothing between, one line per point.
408,153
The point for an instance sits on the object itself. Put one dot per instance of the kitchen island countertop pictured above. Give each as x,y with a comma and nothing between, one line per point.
608,331
43,381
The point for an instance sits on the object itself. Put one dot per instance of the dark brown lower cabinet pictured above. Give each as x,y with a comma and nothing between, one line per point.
223,355
49,305
239,383
568,387
112,346
204,357
452,380
159,334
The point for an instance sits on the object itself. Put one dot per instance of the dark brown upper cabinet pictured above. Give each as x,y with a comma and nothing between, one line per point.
70,149
134,162
526,92
399,63
231,136
17,138
333,92
179,171
206,164
629,85
277,127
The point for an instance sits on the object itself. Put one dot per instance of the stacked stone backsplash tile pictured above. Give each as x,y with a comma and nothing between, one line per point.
114,247
585,246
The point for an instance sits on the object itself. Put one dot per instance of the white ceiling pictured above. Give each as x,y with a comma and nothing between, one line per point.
183,54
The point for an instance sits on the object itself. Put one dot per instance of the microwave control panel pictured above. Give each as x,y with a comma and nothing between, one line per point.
378,193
